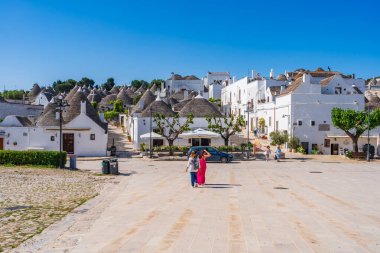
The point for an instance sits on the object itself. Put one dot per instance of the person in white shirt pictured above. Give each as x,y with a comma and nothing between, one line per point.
192,167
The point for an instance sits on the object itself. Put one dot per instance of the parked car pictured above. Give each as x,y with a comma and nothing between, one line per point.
216,155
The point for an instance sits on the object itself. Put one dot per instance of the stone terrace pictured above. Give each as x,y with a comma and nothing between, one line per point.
252,206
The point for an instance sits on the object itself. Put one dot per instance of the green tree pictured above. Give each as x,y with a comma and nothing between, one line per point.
354,123
293,142
86,81
262,124
108,85
157,82
13,94
278,138
226,126
138,83
171,127
118,106
65,86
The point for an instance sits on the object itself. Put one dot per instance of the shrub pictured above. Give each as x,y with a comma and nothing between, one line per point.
294,142
111,115
348,153
278,138
301,150
314,152
49,158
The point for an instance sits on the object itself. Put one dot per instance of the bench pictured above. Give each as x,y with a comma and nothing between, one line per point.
359,155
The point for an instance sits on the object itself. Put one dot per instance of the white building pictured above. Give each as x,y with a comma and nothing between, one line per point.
246,93
214,82
141,122
84,134
302,107
43,98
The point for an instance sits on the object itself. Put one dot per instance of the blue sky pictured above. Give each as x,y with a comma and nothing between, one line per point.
46,40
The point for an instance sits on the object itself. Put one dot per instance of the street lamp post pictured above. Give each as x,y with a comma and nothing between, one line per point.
368,143
247,111
60,106
150,134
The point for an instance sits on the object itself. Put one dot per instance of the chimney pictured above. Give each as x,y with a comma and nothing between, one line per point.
271,74
83,107
162,86
306,78
233,79
282,89
185,94
253,74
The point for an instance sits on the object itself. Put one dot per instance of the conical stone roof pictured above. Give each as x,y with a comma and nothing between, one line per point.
144,101
75,109
48,117
106,101
200,108
71,93
34,91
123,96
94,97
115,90
153,88
158,106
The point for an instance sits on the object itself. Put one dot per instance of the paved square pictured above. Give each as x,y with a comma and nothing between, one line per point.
255,206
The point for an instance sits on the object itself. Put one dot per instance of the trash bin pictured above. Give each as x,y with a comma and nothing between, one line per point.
73,162
113,150
105,166
114,167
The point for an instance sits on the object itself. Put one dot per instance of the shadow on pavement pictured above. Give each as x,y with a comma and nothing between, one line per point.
220,186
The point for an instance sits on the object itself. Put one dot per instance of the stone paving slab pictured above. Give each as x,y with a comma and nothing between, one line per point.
246,206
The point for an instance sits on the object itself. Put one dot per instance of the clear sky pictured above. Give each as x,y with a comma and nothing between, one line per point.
46,40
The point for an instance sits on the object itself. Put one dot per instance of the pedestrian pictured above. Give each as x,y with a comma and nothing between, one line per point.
192,167
278,153
201,174
267,153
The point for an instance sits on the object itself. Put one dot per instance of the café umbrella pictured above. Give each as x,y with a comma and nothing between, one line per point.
199,133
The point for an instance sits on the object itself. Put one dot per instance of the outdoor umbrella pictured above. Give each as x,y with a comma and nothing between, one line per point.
148,135
199,133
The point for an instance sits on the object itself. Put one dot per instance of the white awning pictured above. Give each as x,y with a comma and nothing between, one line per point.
199,133
148,135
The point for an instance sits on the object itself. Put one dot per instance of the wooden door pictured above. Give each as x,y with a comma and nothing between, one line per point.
1,143
68,143
335,149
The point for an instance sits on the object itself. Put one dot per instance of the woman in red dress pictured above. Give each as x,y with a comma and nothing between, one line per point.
201,174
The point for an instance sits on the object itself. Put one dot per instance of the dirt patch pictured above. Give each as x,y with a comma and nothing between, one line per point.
31,199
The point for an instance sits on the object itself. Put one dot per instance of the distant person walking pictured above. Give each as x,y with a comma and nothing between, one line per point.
267,153
201,174
192,167
278,153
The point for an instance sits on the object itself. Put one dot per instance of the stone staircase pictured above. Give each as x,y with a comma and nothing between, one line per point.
116,137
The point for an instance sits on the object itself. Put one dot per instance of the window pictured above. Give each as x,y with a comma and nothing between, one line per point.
327,143
314,146
312,123
24,134
299,122
52,138
338,90
270,121
92,137
277,126
324,127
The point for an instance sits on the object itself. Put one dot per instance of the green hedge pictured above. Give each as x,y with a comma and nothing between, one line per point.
49,158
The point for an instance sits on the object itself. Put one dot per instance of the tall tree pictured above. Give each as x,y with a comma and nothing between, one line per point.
65,86
171,127
108,85
354,123
226,126
86,81
157,82
138,83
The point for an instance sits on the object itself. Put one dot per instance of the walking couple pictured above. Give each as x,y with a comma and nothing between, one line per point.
197,167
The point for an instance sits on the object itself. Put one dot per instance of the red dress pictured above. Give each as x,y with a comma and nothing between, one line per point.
201,174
